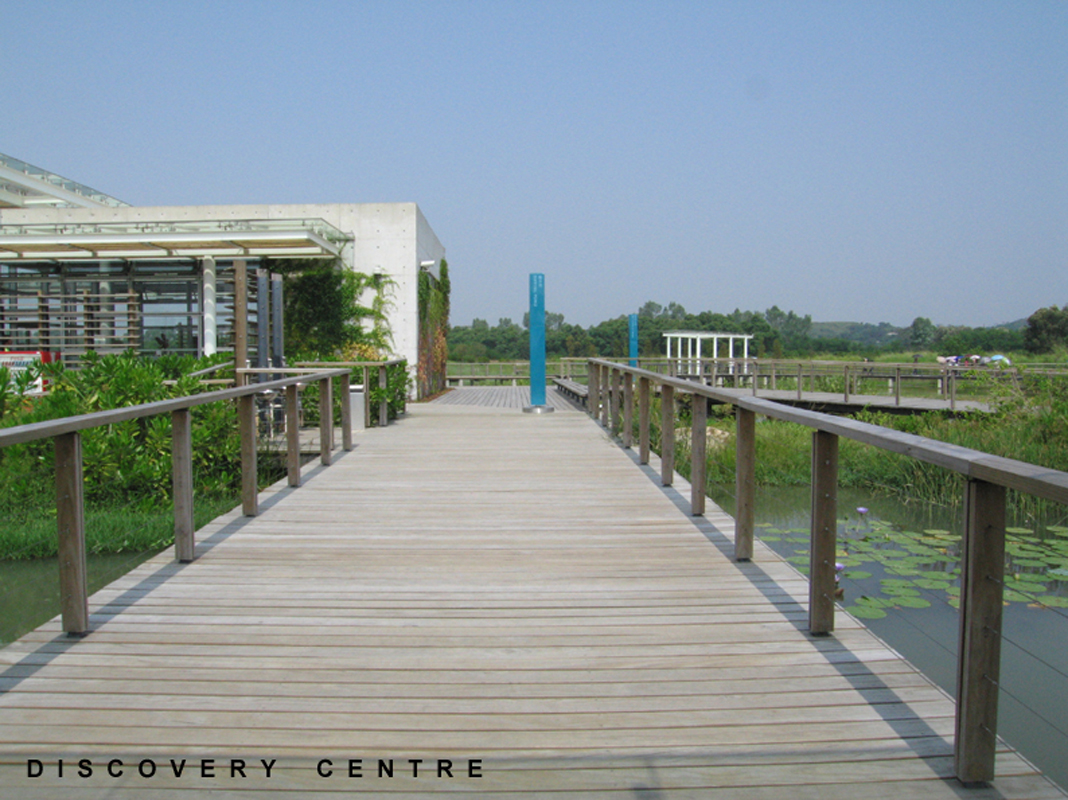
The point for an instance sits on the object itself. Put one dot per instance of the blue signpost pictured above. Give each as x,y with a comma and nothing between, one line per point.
634,340
537,344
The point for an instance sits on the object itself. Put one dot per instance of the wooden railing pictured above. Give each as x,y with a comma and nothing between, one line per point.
514,372
381,367
847,378
70,507
611,399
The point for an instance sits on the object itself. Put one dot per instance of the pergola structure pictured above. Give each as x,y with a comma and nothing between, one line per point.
686,348
149,286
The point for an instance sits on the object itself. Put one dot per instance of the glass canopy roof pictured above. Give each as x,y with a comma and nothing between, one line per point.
159,240
23,185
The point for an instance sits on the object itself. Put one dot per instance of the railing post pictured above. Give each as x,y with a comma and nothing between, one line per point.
344,389
628,408
70,516
667,434
800,380
326,421
698,450
824,532
606,395
773,370
744,483
292,436
593,392
979,653
383,405
246,418
953,390
367,397
644,391
182,484
845,382
897,386
614,400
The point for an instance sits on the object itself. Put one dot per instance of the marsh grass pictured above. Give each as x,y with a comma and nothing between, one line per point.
1030,426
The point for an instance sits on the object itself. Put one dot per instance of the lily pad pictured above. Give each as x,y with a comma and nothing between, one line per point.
912,602
900,591
866,612
1053,601
929,583
856,574
1028,562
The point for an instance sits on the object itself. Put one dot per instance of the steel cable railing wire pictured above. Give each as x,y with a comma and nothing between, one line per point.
904,617
1031,709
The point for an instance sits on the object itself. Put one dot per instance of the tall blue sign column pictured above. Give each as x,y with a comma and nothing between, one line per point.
537,344
634,340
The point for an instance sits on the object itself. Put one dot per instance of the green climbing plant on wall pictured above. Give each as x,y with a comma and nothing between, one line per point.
433,330
332,311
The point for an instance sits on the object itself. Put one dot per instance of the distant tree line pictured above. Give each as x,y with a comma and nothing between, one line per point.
776,334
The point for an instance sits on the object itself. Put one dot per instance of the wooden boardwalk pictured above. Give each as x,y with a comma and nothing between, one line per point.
504,592
835,401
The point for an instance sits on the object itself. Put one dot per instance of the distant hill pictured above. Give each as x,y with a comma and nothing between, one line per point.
884,333
1018,325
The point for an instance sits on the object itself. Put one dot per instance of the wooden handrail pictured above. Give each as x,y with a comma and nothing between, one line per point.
982,560
383,404
70,506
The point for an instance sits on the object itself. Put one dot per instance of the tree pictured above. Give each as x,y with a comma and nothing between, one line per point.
921,333
1046,329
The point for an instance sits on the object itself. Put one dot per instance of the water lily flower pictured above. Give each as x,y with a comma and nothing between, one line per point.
862,510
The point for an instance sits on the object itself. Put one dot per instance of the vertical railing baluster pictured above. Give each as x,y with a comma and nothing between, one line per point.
744,483
593,391
367,397
698,449
644,405
667,434
628,408
615,400
182,484
606,395
824,532
246,417
383,405
326,421
292,436
345,390
979,654
70,517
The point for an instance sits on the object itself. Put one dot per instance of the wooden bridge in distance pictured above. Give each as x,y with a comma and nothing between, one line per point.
476,592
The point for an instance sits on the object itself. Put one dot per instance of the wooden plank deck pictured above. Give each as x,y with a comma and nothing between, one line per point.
506,592
835,401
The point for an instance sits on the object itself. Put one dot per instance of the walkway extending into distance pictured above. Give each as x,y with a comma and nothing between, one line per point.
482,592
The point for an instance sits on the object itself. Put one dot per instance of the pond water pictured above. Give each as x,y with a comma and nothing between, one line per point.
900,576
29,590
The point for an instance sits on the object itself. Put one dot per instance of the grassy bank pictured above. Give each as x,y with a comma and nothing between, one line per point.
127,466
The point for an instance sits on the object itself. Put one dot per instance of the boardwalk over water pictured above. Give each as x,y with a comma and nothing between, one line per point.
475,583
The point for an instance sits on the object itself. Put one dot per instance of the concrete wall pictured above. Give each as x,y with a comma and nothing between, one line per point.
388,238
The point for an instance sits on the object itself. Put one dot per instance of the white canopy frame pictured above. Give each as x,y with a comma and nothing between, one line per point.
686,347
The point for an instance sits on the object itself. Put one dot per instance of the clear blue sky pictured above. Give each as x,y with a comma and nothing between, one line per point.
869,161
